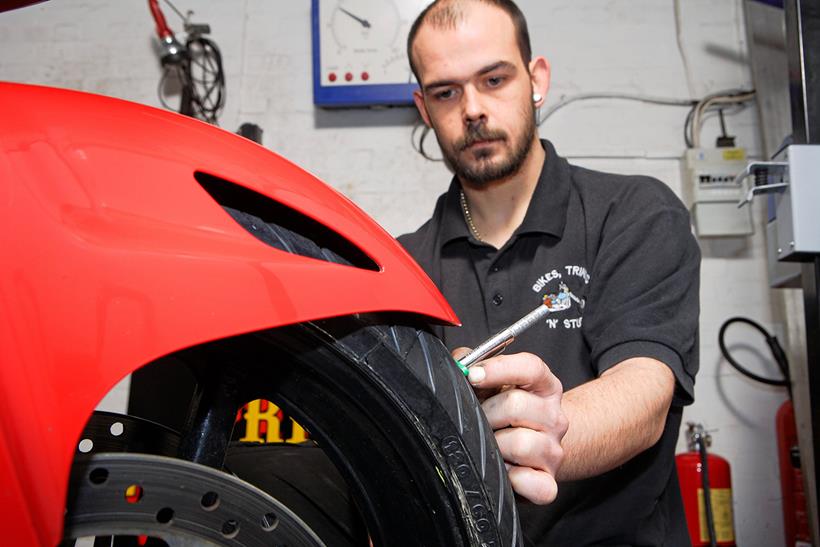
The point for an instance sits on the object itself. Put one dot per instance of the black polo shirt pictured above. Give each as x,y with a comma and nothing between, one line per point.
618,251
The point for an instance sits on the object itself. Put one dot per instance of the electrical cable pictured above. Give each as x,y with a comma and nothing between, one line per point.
208,89
665,101
197,66
681,50
202,79
695,116
688,127
707,103
774,346
739,99
161,86
694,119
687,138
729,110
722,123
736,98
693,104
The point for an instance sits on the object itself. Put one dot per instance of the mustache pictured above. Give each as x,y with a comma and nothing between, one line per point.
479,132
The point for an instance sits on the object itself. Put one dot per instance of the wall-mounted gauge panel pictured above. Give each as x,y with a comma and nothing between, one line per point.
359,52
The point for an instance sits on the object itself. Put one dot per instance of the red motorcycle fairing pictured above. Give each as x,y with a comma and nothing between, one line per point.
113,255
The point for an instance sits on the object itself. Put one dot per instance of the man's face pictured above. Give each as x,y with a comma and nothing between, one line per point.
476,93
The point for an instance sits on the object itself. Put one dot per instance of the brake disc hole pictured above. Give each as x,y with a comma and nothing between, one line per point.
98,475
86,446
230,528
165,515
210,501
133,493
269,522
116,429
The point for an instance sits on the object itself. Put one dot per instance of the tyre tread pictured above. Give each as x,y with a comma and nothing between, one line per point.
431,363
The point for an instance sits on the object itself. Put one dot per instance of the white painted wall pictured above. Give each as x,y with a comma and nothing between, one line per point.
593,45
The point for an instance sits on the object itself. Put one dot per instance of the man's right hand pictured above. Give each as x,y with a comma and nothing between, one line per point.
522,400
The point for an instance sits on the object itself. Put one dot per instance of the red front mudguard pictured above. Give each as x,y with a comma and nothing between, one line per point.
113,255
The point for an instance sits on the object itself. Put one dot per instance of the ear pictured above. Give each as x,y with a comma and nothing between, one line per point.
418,98
540,78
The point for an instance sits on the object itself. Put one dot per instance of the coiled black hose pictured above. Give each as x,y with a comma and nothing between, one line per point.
774,346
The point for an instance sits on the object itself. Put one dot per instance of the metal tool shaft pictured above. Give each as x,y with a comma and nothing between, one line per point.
498,342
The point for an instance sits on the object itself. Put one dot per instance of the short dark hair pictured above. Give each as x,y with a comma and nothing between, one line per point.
447,13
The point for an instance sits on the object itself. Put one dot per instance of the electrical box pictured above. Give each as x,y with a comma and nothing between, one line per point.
782,275
797,207
711,193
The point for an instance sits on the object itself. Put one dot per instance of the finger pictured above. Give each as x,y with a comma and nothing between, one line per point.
525,370
460,352
476,375
520,408
539,487
474,372
484,394
529,448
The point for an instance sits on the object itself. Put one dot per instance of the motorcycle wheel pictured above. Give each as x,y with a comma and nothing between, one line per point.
387,404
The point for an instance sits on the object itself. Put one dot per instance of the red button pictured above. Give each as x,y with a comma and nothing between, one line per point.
332,77
365,76
348,76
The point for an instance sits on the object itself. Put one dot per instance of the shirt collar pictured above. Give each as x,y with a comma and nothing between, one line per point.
545,214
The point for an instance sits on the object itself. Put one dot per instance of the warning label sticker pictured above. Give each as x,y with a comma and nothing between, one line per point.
721,510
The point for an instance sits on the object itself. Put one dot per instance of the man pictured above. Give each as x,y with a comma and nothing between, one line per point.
518,225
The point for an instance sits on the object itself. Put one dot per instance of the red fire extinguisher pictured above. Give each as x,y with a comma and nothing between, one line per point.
795,512
706,488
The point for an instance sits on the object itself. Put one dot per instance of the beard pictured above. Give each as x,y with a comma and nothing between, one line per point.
478,168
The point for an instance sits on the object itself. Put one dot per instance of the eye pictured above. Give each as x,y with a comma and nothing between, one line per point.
444,94
495,81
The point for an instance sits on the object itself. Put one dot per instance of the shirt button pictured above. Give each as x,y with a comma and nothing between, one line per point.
498,299
495,269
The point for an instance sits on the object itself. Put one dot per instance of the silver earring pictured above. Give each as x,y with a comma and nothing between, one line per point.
536,97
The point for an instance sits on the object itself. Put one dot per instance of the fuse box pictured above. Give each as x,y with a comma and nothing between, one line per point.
711,193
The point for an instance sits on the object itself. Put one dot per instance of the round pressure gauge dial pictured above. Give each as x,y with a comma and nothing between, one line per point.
365,27
362,44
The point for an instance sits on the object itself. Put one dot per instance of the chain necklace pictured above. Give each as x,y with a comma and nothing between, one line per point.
468,217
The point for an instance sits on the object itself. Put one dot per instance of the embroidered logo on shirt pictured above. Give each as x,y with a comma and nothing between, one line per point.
563,299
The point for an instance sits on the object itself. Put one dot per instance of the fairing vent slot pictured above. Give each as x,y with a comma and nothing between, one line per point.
280,226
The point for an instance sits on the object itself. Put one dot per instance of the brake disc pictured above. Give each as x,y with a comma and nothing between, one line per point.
110,432
180,502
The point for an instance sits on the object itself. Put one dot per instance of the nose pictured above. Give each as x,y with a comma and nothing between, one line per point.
472,106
